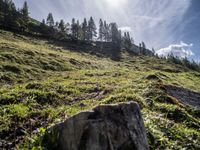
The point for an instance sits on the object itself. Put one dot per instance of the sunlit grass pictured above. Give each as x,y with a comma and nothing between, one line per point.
43,84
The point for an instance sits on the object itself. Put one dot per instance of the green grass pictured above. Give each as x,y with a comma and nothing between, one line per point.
42,84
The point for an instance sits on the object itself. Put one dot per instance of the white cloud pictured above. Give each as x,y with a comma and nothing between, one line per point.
181,50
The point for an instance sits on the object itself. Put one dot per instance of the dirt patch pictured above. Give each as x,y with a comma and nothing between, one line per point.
6,79
18,131
170,70
97,74
152,77
74,62
185,96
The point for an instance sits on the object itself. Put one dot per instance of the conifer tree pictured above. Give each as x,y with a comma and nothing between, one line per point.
43,21
101,28
153,50
50,20
73,28
1,13
61,26
84,29
7,14
67,27
114,32
91,29
43,28
79,31
140,48
127,42
120,35
143,46
106,31
25,12
56,25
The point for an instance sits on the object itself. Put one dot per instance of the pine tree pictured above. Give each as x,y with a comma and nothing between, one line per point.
67,27
73,28
153,50
7,14
1,13
127,42
105,31
84,29
91,29
50,20
56,25
140,48
25,12
101,30
43,21
79,31
43,28
128,36
143,46
120,35
125,35
114,32
61,26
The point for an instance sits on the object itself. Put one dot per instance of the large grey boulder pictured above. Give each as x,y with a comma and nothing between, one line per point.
106,127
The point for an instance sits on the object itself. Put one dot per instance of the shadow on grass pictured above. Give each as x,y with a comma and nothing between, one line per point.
100,49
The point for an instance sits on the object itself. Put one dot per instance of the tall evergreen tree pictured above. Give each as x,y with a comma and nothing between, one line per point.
79,31
91,29
153,50
43,28
50,20
120,35
25,12
73,28
56,26
114,32
43,21
127,43
140,48
61,26
7,14
101,30
105,31
84,29
143,46
1,13
67,28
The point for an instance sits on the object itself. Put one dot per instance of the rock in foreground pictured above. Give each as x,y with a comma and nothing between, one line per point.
106,127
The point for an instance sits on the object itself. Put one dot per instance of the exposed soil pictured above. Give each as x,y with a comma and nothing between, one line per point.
185,96
17,132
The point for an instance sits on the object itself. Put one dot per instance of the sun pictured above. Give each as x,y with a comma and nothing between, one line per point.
115,3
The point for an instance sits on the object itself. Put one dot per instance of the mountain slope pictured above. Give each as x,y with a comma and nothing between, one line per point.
43,83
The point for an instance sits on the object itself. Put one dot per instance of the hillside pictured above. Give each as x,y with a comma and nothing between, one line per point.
43,83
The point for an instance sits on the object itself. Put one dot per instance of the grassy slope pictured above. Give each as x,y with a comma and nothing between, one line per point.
42,84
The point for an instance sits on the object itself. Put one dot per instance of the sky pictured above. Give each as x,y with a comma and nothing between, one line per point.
170,26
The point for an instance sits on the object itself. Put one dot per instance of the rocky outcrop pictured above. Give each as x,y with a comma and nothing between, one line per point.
106,127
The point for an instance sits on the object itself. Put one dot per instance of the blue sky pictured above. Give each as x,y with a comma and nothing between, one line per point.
167,25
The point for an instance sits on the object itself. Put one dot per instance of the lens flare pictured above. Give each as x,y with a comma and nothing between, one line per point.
115,3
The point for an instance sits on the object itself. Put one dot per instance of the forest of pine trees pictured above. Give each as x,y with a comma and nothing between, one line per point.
18,20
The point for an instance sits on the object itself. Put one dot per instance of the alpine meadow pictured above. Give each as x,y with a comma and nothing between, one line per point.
88,84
